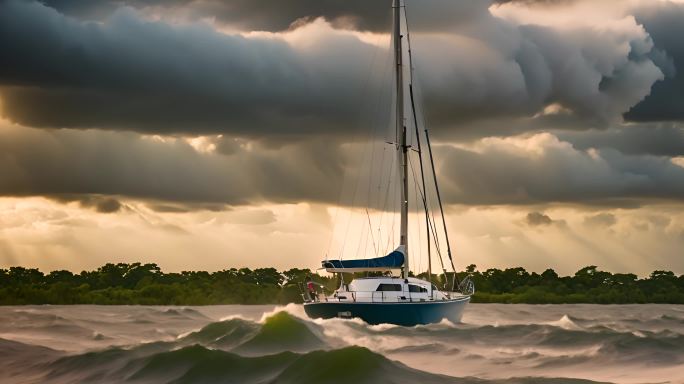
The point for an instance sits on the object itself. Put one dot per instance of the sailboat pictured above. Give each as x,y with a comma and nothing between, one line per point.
402,299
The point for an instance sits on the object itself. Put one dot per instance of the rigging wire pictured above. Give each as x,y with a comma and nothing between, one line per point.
371,134
388,198
345,174
370,230
371,172
416,264
441,209
420,155
362,236
380,195
434,172
422,169
431,223
432,220
381,198
395,198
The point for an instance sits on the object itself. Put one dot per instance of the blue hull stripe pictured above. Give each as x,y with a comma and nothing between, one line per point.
406,314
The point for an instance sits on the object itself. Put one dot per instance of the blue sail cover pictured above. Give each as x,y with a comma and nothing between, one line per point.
394,260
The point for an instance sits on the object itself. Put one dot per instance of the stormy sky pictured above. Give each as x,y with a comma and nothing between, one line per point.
215,134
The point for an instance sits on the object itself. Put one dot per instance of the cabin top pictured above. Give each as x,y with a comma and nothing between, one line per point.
391,284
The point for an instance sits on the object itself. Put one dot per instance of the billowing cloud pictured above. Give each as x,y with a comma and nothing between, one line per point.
660,139
130,73
663,20
543,169
133,73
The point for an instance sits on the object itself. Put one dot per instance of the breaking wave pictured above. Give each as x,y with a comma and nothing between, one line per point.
223,334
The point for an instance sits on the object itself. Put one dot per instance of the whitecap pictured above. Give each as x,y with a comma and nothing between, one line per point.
639,334
566,323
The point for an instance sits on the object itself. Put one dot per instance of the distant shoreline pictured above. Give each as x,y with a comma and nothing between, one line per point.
146,284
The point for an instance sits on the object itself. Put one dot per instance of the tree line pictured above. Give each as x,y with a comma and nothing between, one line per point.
146,284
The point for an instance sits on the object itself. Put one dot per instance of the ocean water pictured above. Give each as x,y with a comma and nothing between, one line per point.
267,344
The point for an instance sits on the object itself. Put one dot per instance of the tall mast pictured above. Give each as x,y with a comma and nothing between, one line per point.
401,131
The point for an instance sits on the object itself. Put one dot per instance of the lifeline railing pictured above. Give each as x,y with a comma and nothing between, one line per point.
378,296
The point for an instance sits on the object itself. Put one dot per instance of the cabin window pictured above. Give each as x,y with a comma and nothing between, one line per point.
389,288
416,288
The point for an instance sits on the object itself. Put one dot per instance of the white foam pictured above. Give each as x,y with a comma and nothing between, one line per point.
233,317
566,323
293,309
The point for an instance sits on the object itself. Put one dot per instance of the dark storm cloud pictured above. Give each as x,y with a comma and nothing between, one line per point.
133,74
174,176
99,203
535,219
664,22
661,139
261,15
278,15
588,75
91,166
130,73
543,169
107,205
